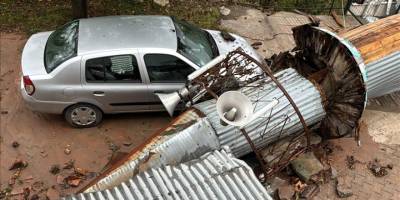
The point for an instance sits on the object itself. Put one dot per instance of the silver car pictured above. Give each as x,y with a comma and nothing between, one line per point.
115,64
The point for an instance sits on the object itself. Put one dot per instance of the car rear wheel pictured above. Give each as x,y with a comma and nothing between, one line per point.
83,115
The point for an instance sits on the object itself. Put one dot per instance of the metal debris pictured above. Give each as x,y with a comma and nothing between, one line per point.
215,175
182,146
377,169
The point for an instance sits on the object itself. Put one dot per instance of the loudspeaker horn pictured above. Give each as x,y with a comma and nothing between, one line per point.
234,108
171,100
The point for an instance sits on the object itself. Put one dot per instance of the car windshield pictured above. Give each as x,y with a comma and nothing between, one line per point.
195,44
61,45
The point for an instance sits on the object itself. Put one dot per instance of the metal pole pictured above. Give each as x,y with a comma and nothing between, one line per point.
254,148
346,9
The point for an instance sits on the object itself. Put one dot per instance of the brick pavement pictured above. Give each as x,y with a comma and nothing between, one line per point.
364,184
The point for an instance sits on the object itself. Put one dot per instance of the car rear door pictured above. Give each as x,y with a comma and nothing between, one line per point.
115,81
166,72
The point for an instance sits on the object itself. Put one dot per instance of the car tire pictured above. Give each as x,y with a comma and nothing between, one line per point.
83,115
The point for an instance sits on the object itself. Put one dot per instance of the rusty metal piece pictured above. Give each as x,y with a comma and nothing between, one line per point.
256,152
240,71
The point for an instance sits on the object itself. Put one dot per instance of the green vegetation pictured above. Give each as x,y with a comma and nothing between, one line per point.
309,6
32,16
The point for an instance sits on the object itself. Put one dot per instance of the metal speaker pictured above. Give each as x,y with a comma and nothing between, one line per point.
169,101
234,108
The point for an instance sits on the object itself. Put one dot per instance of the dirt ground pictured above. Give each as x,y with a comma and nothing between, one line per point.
43,138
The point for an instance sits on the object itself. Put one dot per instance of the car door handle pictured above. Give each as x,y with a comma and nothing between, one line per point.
98,93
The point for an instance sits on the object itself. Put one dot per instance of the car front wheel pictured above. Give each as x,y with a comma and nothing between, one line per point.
83,115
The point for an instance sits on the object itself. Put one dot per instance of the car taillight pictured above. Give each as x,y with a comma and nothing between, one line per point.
28,85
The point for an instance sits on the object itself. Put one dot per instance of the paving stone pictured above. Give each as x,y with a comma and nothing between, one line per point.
306,165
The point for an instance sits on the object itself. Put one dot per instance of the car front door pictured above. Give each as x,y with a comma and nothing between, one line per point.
166,73
116,82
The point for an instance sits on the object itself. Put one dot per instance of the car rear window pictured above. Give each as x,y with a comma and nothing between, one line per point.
61,45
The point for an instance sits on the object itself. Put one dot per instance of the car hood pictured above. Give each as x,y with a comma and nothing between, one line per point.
225,46
33,54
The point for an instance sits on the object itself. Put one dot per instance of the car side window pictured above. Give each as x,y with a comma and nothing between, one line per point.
166,68
120,68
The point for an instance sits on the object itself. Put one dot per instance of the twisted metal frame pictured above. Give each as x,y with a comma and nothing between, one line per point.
239,71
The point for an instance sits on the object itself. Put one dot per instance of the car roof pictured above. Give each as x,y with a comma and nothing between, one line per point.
122,32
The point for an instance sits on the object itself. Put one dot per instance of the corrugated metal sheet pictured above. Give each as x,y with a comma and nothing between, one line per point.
305,95
188,144
215,175
384,75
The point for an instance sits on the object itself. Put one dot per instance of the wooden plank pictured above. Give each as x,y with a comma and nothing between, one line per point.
372,27
381,43
380,53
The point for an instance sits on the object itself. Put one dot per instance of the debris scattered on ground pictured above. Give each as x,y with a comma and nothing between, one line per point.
343,188
69,165
377,169
111,145
14,177
24,192
256,45
80,171
351,161
306,165
73,181
310,191
55,169
15,144
227,36
224,11
71,176
5,192
299,186
4,112
67,150
127,143
18,164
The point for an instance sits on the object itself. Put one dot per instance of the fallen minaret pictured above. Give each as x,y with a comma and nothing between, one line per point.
320,85
199,129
